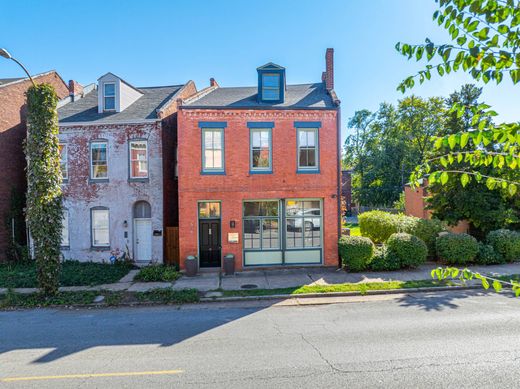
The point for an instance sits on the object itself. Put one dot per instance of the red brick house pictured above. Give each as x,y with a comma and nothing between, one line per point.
12,159
259,173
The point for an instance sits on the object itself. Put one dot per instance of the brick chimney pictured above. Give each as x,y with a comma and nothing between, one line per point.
329,69
75,89
213,82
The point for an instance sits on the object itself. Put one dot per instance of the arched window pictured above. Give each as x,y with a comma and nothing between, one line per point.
142,210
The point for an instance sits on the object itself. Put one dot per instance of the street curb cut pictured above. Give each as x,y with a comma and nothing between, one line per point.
338,294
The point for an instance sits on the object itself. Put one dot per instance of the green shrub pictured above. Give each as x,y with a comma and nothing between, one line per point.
488,256
355,252
428,230
377,225
505,243
409,250
456,249
157,273
383,261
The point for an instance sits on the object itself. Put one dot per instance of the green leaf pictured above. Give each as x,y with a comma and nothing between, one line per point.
511,189
452,141
464,179
464,139
497,285
444,178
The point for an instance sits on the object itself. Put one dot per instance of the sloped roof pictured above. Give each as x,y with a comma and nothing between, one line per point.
144,108
9,80
303,96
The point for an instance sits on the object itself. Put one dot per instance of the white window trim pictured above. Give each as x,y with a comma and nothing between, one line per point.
92,212
91,162
138,160
269,145
66,148
222,150
316,149
105,96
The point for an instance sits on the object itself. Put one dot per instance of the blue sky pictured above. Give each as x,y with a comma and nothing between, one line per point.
169,42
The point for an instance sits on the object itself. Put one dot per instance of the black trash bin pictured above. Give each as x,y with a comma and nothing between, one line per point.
229,264
191,265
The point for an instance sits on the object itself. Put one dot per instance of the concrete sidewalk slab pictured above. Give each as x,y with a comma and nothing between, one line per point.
146,286
237,281
203,282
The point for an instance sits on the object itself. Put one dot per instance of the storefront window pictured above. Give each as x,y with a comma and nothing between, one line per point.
303,223
261,225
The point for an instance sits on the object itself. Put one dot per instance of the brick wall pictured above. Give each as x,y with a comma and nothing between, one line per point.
238,184
12,134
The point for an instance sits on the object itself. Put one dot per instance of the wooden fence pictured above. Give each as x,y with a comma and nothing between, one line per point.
171,246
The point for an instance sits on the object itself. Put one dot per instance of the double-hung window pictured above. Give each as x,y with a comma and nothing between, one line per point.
63,161
308,149
139,159
261,150
109,96
65,228
98,160
270,86
100,227
213,150
261,225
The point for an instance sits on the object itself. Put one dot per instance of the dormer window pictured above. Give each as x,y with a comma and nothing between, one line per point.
271,83
109,96
271,86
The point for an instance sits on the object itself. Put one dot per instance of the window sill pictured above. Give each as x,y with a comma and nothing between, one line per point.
309,171
260,172
100,248
215,173
139,179
98,180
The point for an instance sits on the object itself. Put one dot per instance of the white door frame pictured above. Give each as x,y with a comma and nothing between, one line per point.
149,220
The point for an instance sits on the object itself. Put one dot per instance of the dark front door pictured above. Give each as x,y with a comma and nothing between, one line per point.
209,243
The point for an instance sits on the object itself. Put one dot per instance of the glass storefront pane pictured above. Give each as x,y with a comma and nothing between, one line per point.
251,234
294,208
260,208
312,232
270,233
294,233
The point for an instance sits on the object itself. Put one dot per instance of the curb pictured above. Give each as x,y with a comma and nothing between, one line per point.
339,294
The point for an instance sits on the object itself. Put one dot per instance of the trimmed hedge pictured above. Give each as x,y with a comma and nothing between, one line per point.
377,225
409,250
505,243
457,249
383,261
488,256
355,252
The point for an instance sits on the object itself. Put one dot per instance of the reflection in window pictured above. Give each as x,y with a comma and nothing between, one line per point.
138,159
261,225
98,160
260,149
303,223
307,148
209,210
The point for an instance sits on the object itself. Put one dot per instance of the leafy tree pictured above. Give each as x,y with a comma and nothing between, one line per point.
388,144
44,196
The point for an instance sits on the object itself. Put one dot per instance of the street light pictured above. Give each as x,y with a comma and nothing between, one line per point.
4,53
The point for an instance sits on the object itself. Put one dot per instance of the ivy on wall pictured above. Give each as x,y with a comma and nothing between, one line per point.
44,196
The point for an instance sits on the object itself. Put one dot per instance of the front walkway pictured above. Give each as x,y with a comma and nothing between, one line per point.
274,279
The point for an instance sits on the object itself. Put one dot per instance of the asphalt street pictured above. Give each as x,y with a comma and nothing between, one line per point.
449,339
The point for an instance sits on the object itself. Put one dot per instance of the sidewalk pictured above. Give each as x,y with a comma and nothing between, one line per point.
273,279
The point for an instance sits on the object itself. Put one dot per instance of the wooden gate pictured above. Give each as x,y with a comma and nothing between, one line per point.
171,246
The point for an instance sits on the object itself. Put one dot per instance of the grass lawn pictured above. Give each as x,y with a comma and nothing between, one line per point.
354,229
359,287
73,273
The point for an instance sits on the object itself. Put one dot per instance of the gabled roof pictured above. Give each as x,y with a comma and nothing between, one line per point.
123,81
85,110
270,66
8,81
304,96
